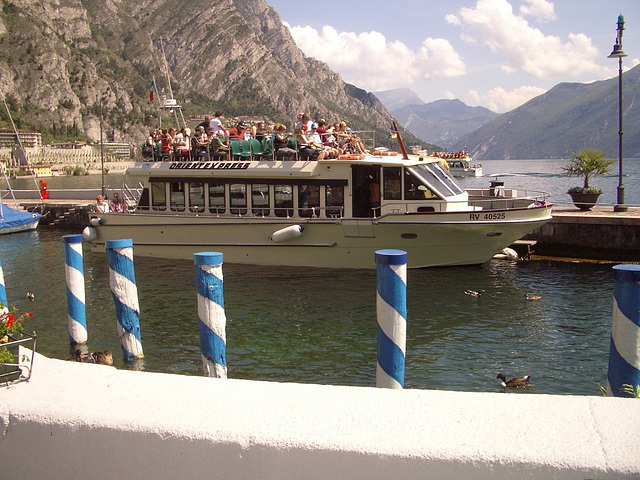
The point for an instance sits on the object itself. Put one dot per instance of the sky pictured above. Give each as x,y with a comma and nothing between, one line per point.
497,54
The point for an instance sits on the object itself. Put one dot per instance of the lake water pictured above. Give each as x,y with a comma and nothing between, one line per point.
319,326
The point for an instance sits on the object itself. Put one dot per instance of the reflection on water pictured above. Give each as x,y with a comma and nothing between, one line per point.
319,325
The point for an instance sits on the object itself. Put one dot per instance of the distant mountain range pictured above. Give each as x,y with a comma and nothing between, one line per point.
569,117
443,122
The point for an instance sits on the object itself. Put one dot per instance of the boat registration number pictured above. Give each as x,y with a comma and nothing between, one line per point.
487,216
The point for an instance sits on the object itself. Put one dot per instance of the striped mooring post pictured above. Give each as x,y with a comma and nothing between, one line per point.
125,296
3,291
391,305
74,275
624,353
211,316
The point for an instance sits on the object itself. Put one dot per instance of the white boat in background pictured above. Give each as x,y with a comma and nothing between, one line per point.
462,167
328,213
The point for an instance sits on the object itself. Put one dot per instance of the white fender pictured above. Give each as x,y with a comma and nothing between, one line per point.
89,234
507,254
287,233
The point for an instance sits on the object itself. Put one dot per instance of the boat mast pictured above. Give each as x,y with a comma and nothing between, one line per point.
173,106
400,142
22,149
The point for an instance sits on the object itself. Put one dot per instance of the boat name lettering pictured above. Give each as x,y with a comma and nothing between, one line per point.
487,216
209,165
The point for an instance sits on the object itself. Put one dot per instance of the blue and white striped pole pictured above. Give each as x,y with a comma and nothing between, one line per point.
391,304
211,316
624,354
3,291
74,275
125,296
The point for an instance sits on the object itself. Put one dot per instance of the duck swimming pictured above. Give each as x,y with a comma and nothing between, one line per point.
103,358
473,293
31,296
531,297
515,382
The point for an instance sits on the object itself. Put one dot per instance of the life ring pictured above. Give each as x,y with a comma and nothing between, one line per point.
384,153
351,157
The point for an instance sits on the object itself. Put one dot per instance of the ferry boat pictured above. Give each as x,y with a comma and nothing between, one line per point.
464,168
331,213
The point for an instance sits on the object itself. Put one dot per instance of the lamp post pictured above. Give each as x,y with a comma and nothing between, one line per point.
619,53
101,149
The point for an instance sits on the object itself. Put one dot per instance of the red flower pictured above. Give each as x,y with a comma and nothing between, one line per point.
10,318
30,314
10,321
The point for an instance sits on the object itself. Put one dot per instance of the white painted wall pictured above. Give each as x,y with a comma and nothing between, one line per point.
79,421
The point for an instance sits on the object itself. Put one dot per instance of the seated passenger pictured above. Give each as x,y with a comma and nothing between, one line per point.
200,144
281,142
306,146
316,142
116,204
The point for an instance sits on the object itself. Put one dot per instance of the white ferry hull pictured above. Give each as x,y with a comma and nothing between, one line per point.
466,172
451,239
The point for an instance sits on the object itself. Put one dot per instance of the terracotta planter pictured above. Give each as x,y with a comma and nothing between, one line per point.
584,201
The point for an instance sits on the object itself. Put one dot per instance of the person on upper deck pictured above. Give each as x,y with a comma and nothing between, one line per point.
281,142
200,144
218,128
306,146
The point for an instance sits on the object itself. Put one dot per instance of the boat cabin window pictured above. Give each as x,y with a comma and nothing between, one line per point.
438,180
308,200
196,197
217,203
334,201
177,199
238,194
283,200
260,199
158,196
143,203
392,181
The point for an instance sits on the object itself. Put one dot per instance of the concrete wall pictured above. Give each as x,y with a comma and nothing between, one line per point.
78,421
595,237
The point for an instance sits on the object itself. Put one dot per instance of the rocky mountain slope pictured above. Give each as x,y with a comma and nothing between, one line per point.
62,62
569,117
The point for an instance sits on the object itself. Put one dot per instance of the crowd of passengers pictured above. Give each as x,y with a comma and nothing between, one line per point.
213,140
451,155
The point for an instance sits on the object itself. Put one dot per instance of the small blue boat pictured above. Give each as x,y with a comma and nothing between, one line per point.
17,220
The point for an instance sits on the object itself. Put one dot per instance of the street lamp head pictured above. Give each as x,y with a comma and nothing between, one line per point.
620,22
617,52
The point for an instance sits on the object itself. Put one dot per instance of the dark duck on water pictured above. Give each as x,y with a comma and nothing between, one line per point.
515,382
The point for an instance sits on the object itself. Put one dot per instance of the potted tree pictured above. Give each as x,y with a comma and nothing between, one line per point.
586,163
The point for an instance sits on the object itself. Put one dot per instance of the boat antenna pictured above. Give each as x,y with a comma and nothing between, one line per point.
175,108
22,150
157,97
400,142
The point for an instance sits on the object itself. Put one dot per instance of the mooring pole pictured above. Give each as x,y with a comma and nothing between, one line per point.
74,275
125,296
391,305
623,376
3,291
211,316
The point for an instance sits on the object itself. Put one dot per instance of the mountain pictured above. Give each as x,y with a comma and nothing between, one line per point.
64,64
569,117
443,122
398,98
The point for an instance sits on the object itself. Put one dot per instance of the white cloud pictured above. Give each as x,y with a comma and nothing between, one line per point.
542,10
526,48
500,100
370,62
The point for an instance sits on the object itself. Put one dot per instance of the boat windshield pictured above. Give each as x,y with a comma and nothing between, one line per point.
437,179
